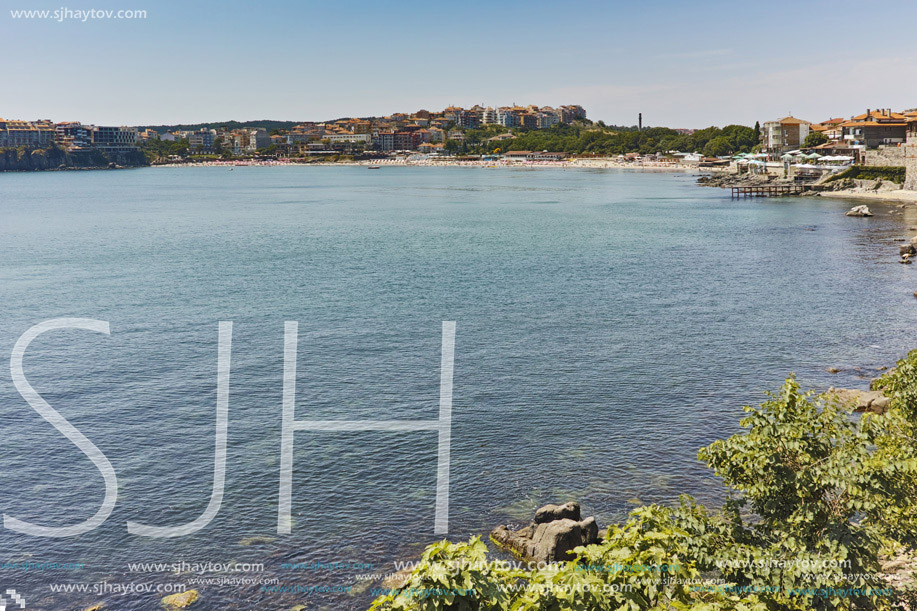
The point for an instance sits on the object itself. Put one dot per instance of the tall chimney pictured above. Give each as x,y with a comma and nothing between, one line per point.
640,121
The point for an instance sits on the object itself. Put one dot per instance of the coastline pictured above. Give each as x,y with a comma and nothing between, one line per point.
897,196
597,163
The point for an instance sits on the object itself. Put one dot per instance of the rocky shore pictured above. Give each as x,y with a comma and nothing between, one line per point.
845,187
555,531
23,160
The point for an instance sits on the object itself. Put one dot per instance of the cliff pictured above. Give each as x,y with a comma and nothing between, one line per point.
22,159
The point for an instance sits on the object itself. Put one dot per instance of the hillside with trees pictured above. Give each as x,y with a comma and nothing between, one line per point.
597,140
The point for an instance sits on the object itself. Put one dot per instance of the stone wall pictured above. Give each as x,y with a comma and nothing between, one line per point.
910,182
884,156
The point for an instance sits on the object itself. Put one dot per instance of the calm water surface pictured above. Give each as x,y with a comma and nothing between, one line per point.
608,325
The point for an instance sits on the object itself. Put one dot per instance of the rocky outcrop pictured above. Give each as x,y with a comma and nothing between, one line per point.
859,211
900,572
555,532
730,179
24,160
182,600
862,400
910,248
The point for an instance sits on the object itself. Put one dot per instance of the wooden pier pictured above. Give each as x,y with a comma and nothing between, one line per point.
769,190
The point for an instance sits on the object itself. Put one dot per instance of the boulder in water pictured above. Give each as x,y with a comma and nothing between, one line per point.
859,211
862,400
181,600
555,532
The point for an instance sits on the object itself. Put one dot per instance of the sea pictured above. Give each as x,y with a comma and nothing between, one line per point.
608,324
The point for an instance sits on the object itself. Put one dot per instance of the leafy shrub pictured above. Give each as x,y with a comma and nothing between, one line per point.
893,174
816,495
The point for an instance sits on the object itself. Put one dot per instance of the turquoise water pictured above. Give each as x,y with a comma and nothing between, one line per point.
608,325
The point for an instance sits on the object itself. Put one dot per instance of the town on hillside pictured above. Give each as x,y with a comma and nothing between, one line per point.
508,134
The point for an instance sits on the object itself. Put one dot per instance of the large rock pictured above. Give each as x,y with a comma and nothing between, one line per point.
549,513
859,211
555,532
862,400
182,600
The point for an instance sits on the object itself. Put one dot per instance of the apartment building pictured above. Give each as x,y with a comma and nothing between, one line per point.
784,135
36,134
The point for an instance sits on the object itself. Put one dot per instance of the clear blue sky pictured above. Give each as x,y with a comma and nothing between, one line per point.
681,63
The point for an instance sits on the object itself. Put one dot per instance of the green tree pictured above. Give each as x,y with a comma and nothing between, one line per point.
814,139
718,147
815,495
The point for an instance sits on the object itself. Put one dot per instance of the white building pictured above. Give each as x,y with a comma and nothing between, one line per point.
360,138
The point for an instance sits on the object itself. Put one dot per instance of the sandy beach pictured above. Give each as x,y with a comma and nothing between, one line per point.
906,197
591,163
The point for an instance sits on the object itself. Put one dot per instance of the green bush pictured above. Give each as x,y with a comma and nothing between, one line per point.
894,174
816,496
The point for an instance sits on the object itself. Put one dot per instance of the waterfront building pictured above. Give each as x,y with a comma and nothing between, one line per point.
875,127
784,135
113,139
831,128
246,141
32,134
258,139
534,156
405,141
384,141
360,138
202,140
72,135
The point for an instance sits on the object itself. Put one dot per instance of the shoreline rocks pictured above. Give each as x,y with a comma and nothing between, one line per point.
181,600
555,531
862,400
862,210
908,250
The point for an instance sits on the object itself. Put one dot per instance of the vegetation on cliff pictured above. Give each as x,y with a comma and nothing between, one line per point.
895,174
817,495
